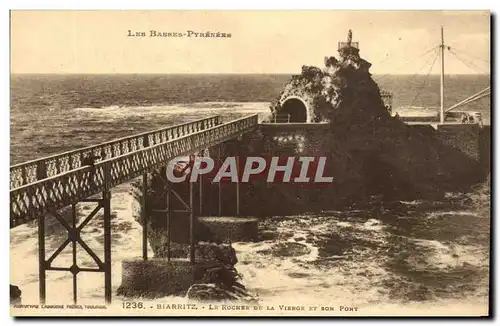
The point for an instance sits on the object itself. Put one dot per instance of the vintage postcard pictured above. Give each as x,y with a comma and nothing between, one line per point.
250,163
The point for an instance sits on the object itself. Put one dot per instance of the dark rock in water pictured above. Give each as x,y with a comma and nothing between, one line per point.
15,294
214,292
207,292
480,197
287,249
266,235
221,253
220,283
298,275
223,275
290,249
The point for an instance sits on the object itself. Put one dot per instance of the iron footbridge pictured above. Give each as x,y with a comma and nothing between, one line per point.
42,187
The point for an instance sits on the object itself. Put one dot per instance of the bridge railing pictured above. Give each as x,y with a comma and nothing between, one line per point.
29,201
281,118
46,167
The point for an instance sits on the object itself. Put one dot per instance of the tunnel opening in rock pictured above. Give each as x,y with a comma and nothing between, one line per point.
294,109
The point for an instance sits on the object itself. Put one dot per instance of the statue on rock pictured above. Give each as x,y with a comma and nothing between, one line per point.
321,90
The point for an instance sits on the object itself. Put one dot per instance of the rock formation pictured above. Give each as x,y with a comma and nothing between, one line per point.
315,93
15,294
370,149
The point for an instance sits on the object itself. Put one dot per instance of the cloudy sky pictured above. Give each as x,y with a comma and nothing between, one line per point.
261,42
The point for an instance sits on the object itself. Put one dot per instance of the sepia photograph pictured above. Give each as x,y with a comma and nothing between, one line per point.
272,163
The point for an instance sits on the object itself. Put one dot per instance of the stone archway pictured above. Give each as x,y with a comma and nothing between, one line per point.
296,108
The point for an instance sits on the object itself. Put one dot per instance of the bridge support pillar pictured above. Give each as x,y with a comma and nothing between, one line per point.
238,188
106,195
219,188
192,240
219,153
74,238
145,219
41,258
189,208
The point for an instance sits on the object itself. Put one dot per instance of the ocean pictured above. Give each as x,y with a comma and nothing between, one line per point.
422,257
55,113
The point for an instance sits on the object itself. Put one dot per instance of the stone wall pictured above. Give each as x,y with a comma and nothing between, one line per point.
428,168
471,139
464,137
485,149
447,153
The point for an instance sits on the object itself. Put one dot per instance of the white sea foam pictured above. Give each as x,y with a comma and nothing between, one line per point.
199,109
444,256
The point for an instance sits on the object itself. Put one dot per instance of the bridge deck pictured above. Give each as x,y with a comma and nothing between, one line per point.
60,180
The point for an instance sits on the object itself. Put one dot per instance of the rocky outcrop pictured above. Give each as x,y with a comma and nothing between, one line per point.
321,91
221,283
369,152
15,294
368,148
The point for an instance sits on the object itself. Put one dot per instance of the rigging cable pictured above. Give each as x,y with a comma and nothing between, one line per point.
417,74
423,54
468,63
473,59
425,81
470,55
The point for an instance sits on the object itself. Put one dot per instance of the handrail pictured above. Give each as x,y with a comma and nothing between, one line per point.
277,117
38,169
55,192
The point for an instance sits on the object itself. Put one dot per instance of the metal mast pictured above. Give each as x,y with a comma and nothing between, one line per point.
441,112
